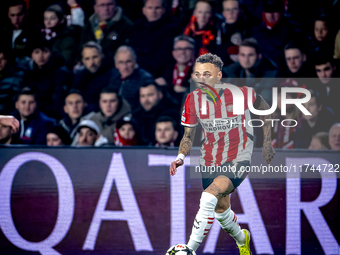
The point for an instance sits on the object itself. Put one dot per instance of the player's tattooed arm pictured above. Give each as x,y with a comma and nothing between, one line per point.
187,140
268,151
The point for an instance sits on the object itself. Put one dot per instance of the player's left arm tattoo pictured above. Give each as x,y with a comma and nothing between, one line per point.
187,140
268,151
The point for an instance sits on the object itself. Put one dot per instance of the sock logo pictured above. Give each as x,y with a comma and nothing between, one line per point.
197,224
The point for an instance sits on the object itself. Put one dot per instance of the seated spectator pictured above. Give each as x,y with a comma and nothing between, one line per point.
284,136
334,137
64,38
112,108
10,82
203,27
17,32
88,134
96,75
126,133
275,31
57,136
296,62
108,26
177,76
8,126
154,103
74,111
152,36
132,76
235,28
77,13
252,70
321,120
328,86
319,142
323,36
34,124
49,77
165,132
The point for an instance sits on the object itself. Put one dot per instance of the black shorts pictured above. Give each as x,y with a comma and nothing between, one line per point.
236,172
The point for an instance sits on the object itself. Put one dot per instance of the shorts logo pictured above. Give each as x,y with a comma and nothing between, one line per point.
240,172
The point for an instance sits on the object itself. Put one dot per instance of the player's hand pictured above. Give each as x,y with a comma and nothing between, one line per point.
174,165
268,152
10,121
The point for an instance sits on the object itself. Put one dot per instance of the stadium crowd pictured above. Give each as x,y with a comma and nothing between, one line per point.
117,72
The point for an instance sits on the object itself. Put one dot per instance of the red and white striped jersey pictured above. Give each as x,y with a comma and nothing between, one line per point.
226,137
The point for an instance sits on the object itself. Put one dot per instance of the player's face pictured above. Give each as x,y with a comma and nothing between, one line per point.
92,59
126,131
231,11
206,73
316,144
87,137
26,105
53,140
294,59
320,30
247,57
149,97
325,72
74,106
334,137
125,63
313,108
203,13
108,103
165,132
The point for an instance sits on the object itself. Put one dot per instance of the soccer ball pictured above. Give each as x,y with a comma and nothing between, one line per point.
180,249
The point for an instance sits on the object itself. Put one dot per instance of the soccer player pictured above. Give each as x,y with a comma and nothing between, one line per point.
230,145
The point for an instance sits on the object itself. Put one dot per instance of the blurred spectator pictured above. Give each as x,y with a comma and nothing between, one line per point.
323,36
57,136
204,27
10,82
132,76
108,26
49,77
328,86
334,137
337,46
319,142
296,65
74,110
321,120
154,103
177,76
112,108
34,124
77,13
235,28
64,39
275,31
17,33
126,132
152,36
284,136
88,134
252,70
96,75
165,132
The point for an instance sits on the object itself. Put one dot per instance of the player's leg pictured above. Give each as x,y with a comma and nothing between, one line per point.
219,188
228,220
